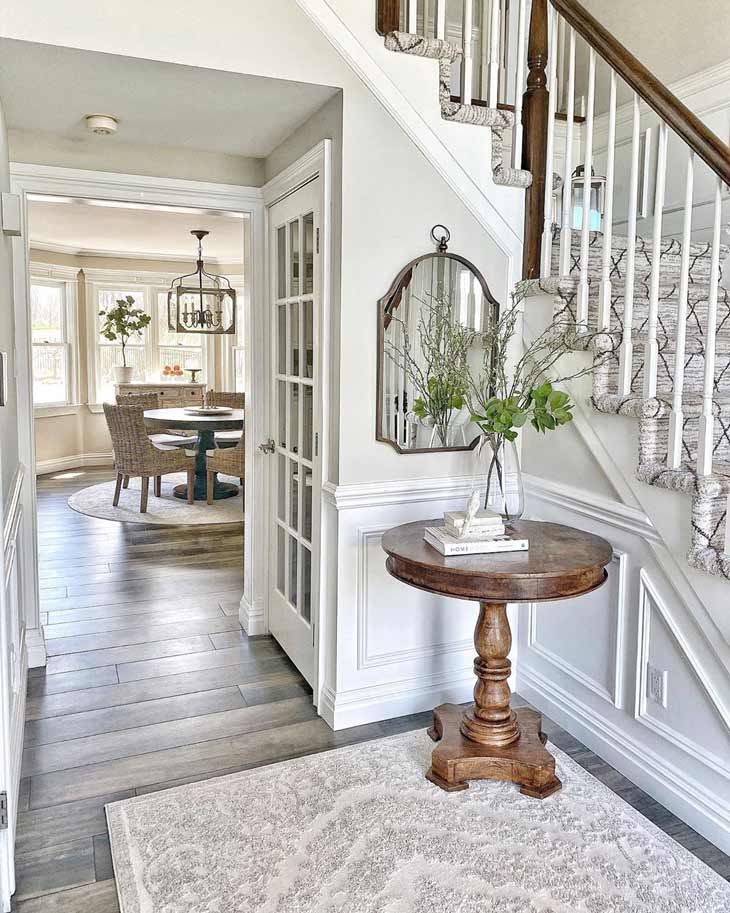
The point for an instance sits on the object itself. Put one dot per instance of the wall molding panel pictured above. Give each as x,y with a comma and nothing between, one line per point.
614,694
676,753
399,650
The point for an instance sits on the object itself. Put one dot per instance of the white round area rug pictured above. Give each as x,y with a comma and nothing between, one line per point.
96,501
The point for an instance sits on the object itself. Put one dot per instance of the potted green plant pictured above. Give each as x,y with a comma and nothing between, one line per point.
120,323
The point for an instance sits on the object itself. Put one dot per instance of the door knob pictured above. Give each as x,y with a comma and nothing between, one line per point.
268,446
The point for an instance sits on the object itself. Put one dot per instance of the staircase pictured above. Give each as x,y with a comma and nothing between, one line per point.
652,310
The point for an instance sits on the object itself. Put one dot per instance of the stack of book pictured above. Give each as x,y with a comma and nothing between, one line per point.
486,535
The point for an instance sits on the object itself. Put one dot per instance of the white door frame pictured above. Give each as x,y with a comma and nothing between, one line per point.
316,163
73,182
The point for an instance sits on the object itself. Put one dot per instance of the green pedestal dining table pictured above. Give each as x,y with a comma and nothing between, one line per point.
206,426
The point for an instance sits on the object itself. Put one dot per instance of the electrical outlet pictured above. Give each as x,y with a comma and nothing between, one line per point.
656,685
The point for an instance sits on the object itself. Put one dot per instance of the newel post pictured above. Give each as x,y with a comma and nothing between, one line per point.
388,16
534,137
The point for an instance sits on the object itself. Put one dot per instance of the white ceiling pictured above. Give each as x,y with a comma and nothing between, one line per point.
44,87
86,227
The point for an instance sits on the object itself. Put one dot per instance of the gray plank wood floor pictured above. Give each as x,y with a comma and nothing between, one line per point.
151,683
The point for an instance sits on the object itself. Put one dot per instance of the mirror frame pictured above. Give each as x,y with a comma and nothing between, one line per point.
397,285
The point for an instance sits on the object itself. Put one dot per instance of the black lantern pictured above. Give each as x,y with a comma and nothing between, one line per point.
201,302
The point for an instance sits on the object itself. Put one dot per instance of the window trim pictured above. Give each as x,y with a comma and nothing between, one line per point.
70,341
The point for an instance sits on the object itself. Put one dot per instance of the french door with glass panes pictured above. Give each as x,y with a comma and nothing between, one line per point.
296,477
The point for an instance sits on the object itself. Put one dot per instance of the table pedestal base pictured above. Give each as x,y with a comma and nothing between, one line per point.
457,759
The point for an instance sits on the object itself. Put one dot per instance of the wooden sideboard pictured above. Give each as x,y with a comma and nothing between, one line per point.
174,395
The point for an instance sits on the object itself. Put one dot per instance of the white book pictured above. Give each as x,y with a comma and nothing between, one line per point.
448,545
476,532
483,517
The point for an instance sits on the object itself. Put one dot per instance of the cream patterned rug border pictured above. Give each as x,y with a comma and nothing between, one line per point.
404,846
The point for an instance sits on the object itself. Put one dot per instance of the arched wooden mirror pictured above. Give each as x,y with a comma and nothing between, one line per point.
429,326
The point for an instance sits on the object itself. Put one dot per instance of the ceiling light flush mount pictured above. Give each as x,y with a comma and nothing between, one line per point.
201,302
101,124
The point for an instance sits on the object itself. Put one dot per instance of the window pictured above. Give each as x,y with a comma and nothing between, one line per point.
109,354
51,330
149,354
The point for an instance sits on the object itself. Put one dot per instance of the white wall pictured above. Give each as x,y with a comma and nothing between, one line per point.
8,413
391,196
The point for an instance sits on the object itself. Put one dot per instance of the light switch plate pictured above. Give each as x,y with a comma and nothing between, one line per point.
10,214
656,685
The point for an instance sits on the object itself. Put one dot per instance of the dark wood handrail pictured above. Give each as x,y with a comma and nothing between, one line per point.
701,140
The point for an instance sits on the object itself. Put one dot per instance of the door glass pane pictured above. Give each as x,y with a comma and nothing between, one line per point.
306,601
47,318
281,262
307,505
294,418
308,254
281,337
294,338
308,339
294,494
281,487
293,571
308,400
294,252
49,374
281,561
281,409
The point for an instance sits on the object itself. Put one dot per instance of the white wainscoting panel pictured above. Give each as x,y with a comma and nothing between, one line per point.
583,662
398,649
584,638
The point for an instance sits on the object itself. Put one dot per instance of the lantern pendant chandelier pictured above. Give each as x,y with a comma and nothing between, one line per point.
201,302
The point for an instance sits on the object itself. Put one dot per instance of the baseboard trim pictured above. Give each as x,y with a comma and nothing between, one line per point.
678,791
252,618
342,710
35,644
77,461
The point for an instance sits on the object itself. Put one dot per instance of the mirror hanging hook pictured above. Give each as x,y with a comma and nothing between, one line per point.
442,238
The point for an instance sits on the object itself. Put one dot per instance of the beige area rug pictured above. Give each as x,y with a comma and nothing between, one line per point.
96,501
359,830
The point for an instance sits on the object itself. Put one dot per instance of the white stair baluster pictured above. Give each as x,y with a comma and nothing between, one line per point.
440,19
484,44
561,64
707,422
412,24
520,84
426,16
626,357
676,424
604,294
467,43
583,287
565,231
547,233
651,351
494,61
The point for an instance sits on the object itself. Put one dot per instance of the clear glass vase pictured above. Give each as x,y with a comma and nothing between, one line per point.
498,477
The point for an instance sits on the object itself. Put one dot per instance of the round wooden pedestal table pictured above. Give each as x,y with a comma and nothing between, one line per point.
206,426
490,740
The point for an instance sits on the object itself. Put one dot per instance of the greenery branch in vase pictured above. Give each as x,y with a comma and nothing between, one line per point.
437,367
504,398
121,323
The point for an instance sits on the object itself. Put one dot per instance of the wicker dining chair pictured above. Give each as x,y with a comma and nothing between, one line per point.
169,439
228,460
232,401
136,455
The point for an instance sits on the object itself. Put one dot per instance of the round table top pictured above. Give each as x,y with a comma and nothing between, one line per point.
561,562
182,419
